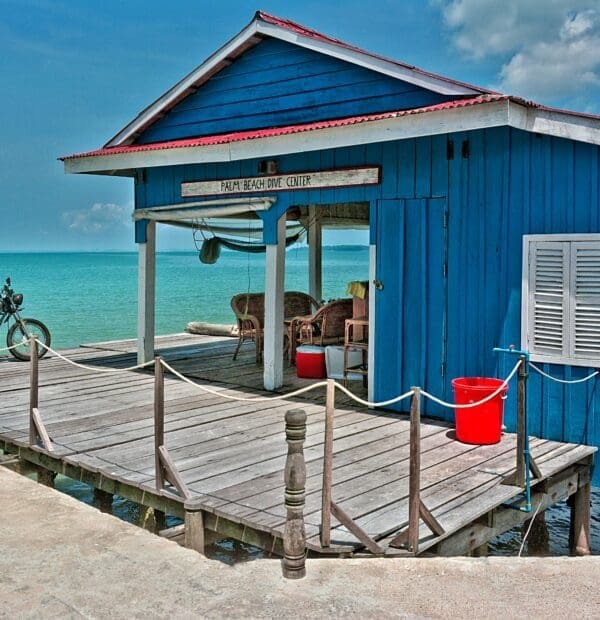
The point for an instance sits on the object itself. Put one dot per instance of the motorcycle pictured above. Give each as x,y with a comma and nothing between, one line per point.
22,329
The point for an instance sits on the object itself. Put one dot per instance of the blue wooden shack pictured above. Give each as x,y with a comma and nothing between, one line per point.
483,208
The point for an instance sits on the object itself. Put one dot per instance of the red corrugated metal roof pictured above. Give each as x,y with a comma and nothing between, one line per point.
254,134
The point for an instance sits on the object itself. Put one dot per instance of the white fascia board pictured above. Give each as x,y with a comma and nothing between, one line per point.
181,87
554,123
430,82
467,118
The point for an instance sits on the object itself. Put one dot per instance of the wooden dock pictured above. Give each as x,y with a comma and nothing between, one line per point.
231,454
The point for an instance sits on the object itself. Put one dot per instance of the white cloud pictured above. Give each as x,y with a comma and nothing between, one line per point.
99,218
548,49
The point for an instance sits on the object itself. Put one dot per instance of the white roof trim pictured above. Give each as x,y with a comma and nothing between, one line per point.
480,116
260,27
356,57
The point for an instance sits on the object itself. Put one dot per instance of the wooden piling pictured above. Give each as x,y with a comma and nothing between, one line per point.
194,537
103,500
580,521
327,465
33,388
294,536
45,476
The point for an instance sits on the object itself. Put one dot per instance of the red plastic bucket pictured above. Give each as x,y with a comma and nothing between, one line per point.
481,424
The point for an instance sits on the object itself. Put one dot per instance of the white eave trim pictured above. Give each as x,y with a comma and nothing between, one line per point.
554,123
259,27
397,128
468,118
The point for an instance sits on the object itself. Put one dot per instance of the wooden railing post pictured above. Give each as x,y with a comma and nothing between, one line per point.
159,420
33,388
521,423
414,484
327,465
294,536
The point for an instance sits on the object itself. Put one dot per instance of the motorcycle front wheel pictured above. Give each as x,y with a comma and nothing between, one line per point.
18,337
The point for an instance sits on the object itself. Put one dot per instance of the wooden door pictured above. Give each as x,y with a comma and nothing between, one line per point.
411,298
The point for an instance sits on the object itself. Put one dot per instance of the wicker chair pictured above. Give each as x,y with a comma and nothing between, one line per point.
326,326
249,309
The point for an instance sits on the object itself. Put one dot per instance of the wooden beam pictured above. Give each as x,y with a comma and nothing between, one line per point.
347,521
273,328
170,473
146,294
40,431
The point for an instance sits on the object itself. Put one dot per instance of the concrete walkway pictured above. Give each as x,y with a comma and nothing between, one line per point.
63,559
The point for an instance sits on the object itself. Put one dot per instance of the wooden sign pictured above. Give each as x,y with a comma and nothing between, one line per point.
284,182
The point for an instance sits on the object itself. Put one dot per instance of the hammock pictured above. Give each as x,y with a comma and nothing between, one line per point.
211,248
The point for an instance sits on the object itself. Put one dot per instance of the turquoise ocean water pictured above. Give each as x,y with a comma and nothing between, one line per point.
90,297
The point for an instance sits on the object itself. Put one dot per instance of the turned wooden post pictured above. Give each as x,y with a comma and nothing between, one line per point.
294,536
414,484
580,521
159,420
33,388
327,465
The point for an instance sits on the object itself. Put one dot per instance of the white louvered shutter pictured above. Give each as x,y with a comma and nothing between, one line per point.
584,311
548,298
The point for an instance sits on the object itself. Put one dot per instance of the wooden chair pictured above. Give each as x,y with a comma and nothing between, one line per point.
326,326
249,310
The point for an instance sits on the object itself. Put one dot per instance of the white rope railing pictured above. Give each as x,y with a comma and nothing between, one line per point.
566,381
256,399
491,396
94,368
14,346
310,388
368,403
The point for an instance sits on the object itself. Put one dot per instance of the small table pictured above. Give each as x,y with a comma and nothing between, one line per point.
356,336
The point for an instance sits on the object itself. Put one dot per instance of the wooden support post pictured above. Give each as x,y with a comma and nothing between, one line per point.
274,293
580,521
194,537
146,294
314,254
327,465
159,420
294,535
146,518
103,500
538,539
33,388
414,484
160,518
521,423
416,508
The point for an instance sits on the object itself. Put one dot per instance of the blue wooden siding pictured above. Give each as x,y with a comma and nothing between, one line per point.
277,83
512,183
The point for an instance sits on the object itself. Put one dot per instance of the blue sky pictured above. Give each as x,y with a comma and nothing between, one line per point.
73,73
